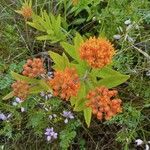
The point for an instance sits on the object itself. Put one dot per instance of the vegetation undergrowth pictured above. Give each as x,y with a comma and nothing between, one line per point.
75,74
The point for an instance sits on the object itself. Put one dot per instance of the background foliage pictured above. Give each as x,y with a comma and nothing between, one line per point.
88,17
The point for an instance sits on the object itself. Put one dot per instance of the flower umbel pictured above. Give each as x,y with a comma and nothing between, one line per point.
65,83
98,52
51,135
20,89
33,68
103,103
26,10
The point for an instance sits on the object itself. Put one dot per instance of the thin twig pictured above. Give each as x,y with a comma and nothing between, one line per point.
142,52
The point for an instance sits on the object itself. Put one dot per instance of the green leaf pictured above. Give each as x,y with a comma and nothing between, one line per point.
82,67
60,61
113,81
43,37
81,98
35,89
88,115
45,86
70,49
8,96
105,72
110,77
78,21
77,41
73,101
17,76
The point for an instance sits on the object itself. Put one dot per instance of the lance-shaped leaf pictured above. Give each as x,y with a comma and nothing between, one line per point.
8,96
80,100
45,86
70,49
36,89
61,62
88,116
17,76
110,77
113,81
105,72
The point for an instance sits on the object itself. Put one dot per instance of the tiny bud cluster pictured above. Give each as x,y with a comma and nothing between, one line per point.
98,52
65,83
103,103
20,89
75,2
33,68
26,12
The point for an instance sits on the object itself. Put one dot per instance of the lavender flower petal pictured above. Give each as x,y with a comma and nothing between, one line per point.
66,121
3,117
49,138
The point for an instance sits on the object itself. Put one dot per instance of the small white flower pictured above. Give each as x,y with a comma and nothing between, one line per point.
49,95
23,109
117,37
94,18
146,147
66,120
46,97
138,142
54,115
42,94
14,103
50,117
127,22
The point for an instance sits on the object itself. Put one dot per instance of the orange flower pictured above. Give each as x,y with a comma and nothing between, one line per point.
75,2
26,10
103,103
65,83
20,89
33,68
98,52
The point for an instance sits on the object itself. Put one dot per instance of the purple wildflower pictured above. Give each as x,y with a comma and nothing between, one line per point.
68,115
17,101
4,117
51,135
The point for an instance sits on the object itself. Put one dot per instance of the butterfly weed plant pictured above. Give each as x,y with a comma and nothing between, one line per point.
82,84
87,81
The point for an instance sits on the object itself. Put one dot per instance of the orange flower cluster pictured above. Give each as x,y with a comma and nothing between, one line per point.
98,52
20,89
103,103
65,83
26,12
33,68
